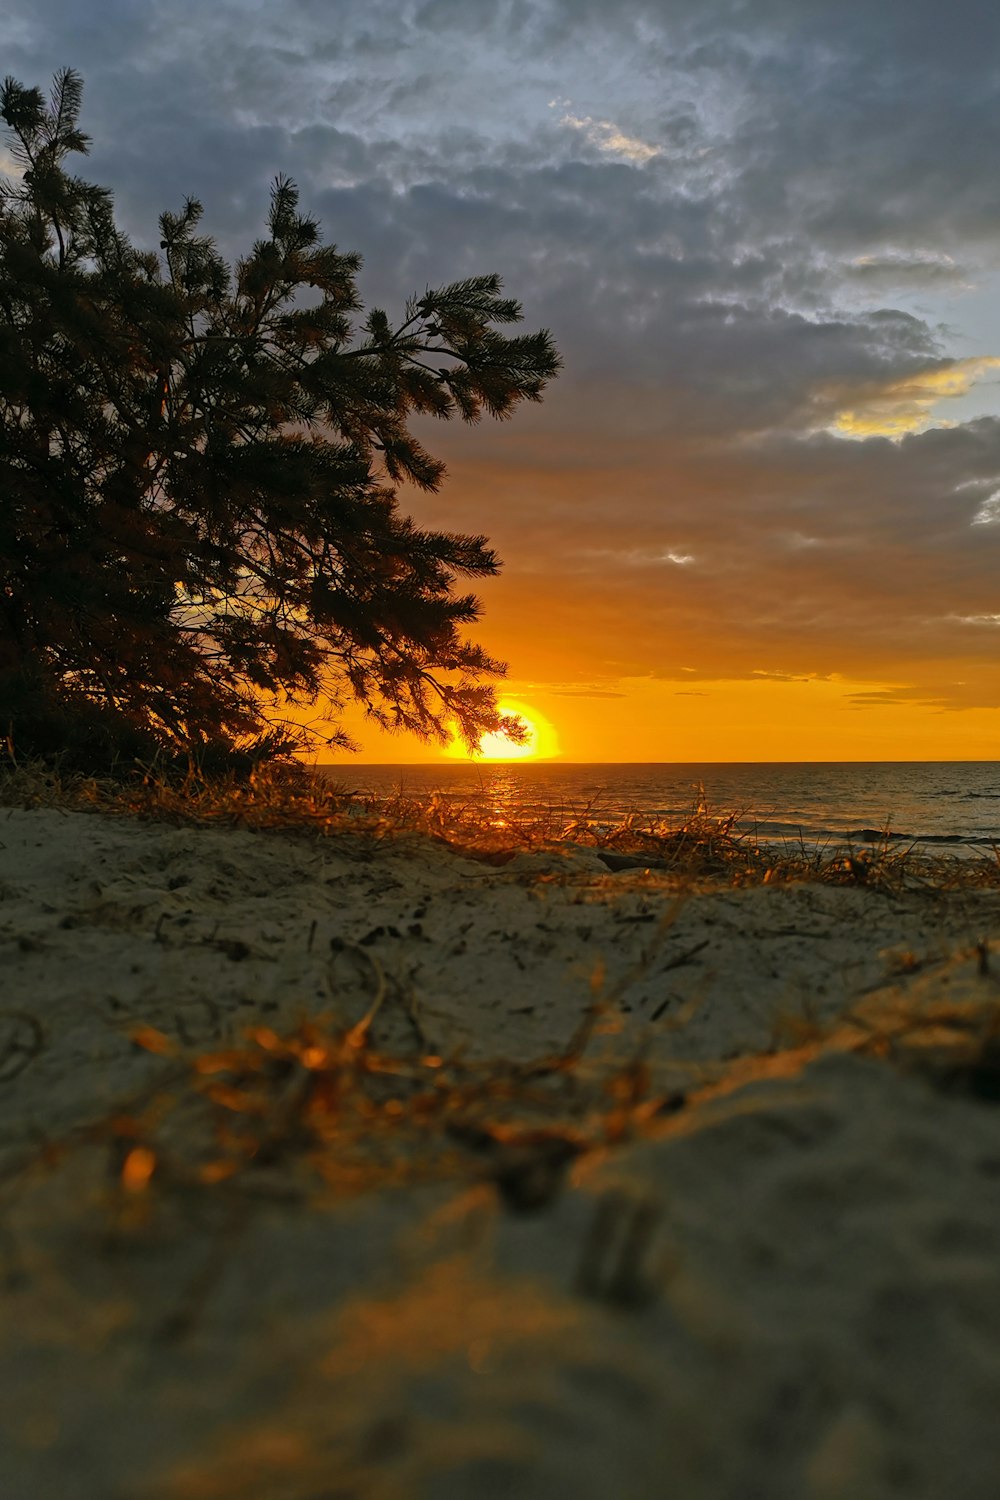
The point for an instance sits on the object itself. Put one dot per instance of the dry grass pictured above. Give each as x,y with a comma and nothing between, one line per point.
291,1121
298,1117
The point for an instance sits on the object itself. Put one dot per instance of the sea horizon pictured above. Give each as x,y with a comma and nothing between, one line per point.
550,760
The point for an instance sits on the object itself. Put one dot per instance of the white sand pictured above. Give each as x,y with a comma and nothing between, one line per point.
788,1289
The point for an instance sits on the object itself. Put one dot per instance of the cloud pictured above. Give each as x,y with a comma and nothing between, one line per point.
611,139
778,676
908,405
638,557
892,698
988,512
573,692
893,269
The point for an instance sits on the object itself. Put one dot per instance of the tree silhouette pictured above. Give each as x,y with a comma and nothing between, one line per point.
199,530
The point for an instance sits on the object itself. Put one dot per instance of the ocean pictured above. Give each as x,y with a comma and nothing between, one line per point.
952,805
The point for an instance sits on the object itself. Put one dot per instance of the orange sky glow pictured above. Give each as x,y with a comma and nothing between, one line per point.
750,648
725,721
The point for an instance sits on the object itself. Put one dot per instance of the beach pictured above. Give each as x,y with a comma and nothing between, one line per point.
359,1165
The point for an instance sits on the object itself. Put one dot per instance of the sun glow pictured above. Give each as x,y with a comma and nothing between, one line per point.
542,742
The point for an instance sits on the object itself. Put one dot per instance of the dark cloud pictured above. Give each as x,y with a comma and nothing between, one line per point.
562,692
893,698
778,676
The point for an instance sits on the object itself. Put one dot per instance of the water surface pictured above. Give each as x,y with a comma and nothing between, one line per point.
953,804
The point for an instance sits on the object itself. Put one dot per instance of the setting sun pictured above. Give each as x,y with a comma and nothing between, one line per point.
542,742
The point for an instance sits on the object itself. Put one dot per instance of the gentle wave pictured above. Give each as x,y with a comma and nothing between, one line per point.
817,804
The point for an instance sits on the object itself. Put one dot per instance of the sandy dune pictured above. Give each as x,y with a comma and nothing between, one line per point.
745,1244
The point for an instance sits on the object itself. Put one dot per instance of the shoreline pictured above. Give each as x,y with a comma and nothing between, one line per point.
574,1151
819,805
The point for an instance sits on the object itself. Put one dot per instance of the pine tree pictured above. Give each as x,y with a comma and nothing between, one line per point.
199,529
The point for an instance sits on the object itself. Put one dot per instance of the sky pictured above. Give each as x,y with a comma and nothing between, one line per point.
757,517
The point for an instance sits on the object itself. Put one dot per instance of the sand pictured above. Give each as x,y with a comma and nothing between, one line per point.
742,1241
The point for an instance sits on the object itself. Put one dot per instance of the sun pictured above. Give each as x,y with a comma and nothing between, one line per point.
542,742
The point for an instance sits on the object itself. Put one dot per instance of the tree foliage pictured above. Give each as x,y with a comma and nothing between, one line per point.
199,530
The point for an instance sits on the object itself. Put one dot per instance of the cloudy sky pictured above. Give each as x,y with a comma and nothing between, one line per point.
758,515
